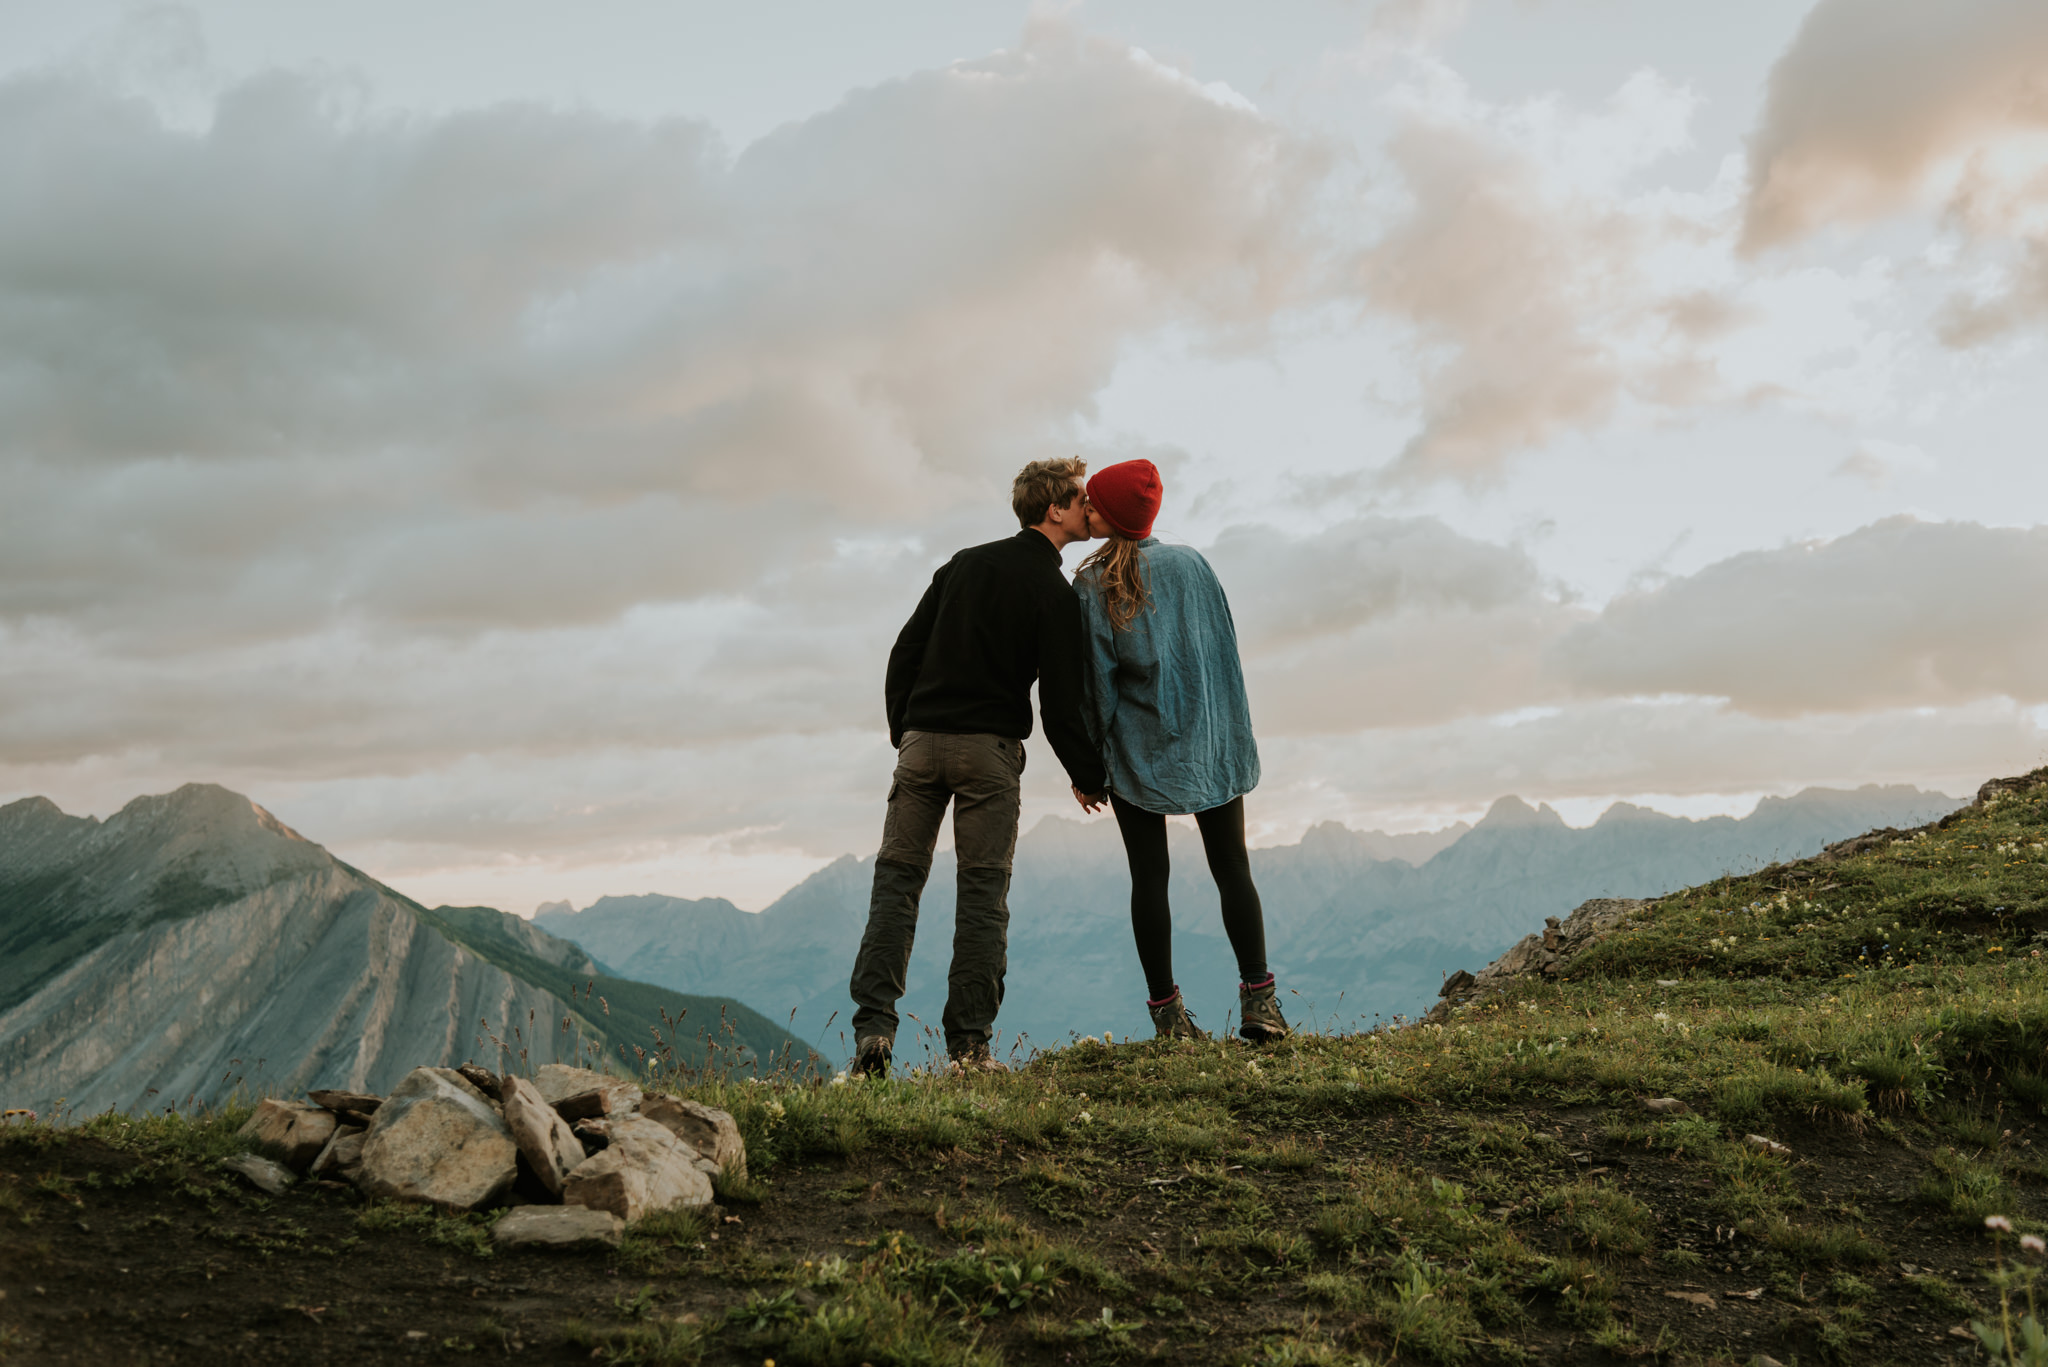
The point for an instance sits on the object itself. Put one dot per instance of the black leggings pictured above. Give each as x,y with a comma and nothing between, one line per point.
1152,919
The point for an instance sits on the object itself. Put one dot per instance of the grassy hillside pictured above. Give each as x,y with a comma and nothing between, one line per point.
1492,1189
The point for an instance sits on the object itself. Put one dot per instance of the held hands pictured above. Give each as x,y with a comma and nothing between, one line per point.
1092,802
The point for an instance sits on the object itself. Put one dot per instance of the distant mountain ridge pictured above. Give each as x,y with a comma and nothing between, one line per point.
193,943
1350,929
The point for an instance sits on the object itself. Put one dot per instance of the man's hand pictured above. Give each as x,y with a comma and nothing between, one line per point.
1092,802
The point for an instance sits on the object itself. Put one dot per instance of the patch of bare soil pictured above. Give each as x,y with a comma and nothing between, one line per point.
195,1267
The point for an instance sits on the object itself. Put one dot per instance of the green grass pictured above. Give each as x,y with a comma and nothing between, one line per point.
1424,1194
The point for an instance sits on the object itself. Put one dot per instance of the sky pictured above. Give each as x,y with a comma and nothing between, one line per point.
504,439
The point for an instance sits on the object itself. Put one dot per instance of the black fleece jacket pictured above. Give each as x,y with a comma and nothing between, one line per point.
995,618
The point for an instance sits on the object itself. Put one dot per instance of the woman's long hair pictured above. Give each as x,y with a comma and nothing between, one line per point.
1120,578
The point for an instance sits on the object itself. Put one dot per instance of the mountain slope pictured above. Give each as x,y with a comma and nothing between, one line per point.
1352,932
192,944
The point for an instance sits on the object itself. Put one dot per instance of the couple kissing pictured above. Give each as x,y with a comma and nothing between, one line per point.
1142,694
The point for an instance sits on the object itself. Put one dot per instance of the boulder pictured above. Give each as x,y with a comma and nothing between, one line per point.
565,1227
436,1139
645,1169
362,1103
261,1172
558,1082
343,1154
296,1130
710,1132
551,1148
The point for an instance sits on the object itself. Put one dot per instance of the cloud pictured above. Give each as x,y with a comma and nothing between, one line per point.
1385,622
1881,106
1877,101
1901,613
1521,263
524,367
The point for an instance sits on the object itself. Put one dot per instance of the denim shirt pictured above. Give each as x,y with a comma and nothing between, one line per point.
1166,702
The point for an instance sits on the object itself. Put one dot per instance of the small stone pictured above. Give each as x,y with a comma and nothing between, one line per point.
343,1154
1765,1360
557,1227
710,1132
1692,1298
362,1103
436,1139
1667,1105
261,1172
551,1148
1667,982
1770,1146
645,1169
296,1130
483,1079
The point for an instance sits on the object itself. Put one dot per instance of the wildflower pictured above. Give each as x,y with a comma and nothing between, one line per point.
1084,1118
2033,1243
1661,1016
774,1108
1999,1223
839,1079
1106,1039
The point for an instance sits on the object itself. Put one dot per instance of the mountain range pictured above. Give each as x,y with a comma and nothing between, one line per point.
193,945
1359,924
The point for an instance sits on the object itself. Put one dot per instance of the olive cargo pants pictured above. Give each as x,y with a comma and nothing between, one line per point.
980,775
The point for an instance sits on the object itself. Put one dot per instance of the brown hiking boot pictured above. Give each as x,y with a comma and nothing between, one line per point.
973,1060
1170,1019
1259,1018
872,1060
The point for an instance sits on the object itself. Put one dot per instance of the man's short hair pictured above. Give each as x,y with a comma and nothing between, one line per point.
1044,485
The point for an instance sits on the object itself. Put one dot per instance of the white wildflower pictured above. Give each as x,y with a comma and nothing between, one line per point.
1999,1223
2033,1243
1084,1118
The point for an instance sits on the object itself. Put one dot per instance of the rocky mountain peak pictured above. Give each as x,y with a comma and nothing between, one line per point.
1511,813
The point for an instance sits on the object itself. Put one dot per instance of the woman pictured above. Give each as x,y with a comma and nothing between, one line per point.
1167,707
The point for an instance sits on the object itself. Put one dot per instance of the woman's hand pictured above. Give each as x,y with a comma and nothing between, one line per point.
1092,802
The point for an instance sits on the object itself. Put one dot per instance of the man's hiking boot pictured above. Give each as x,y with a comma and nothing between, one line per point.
972,1060
872,1060
1170,1019
1258,1012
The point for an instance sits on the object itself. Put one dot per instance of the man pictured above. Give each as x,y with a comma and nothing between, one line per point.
995,618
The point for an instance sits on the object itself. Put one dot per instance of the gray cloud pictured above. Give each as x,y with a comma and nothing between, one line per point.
1901,613
524,367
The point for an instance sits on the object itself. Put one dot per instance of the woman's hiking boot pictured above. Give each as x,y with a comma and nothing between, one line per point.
1258,1012
1170,1019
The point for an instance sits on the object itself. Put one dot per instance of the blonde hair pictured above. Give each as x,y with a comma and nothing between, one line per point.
1119,574
1044,485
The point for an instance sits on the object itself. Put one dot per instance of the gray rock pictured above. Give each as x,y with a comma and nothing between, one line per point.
483,1079
343,1154
551,1148
645,1169
565,1227
1538,956
261,1172
1667,1105
710,1132
297,1131
436,1139
558,1082
338,1100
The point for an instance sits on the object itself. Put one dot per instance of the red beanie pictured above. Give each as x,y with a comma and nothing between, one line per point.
1127,496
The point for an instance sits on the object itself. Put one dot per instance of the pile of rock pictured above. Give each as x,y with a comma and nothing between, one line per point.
1541,955
578,1153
